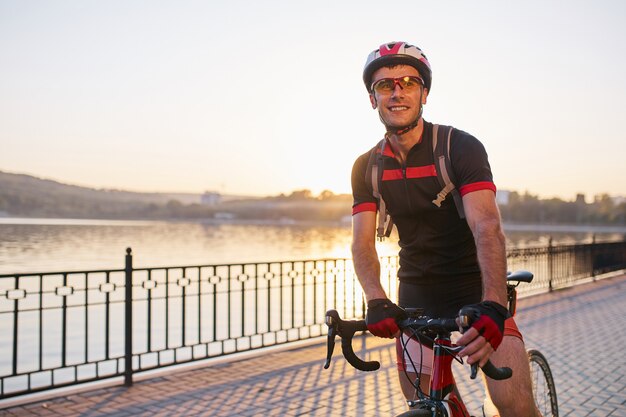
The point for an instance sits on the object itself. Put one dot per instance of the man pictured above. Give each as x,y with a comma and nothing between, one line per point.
446,262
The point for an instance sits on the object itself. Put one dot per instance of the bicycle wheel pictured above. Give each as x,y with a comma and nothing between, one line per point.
544,389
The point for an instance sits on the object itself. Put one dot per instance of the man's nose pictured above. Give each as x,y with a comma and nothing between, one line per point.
397,90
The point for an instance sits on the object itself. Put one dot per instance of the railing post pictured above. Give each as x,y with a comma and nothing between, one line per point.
550,264
128,321
593,257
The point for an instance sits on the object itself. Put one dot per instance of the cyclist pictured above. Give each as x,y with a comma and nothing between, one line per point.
446,261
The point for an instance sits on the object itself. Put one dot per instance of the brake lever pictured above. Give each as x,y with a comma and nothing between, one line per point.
332,324
466,317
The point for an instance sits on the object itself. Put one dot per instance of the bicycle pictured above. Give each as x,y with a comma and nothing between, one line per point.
442,399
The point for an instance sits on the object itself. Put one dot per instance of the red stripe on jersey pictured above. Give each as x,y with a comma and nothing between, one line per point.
392,174
364,207
411,172
477,186
421,172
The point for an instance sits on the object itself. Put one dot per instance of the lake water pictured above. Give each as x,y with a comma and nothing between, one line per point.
40,245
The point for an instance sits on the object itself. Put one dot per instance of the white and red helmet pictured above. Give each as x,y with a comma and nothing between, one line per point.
397,53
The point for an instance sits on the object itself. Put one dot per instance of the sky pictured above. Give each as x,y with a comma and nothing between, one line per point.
266,97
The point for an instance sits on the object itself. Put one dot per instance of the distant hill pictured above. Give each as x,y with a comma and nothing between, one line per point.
27,196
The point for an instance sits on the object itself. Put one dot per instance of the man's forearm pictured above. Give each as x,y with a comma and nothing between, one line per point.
367,268
491,248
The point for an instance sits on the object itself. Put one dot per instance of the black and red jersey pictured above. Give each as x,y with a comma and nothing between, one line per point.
434,241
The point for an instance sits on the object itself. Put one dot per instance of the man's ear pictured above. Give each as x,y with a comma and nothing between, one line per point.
373,101
425,96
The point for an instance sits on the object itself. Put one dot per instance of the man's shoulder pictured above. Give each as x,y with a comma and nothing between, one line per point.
362,161
461,135
458,135
364,157
460,139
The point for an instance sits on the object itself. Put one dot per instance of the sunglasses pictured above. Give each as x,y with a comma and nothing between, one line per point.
387,85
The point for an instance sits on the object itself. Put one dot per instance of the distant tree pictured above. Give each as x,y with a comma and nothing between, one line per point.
326,195
602,208
620,214
301,195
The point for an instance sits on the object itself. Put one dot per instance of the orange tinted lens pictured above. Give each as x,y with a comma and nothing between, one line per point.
384,85
409,82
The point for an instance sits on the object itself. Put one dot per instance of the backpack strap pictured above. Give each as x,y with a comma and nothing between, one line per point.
445,174
375,177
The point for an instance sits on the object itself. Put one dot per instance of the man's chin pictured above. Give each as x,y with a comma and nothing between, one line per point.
396,122
396,126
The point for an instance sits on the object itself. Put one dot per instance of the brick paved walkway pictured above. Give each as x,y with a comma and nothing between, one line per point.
588,367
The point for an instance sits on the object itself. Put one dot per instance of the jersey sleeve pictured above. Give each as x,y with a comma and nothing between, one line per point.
362,193
470,164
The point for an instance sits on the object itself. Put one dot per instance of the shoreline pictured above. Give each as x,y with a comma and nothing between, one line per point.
512,227
563,228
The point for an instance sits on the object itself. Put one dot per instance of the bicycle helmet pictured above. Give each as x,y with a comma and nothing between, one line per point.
397,53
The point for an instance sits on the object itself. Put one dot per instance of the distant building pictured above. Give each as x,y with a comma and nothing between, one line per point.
502,197
210,198
617,200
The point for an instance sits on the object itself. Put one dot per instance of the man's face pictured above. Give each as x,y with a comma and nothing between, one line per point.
400,106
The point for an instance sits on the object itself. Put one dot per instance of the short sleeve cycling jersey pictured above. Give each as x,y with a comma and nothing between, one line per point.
434,241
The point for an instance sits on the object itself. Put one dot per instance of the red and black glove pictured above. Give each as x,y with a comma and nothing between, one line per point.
381,317
488,319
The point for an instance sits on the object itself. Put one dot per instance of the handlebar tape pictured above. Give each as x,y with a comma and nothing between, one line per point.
347,330
495,373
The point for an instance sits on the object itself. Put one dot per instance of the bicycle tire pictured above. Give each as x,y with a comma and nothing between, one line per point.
416,413
544,390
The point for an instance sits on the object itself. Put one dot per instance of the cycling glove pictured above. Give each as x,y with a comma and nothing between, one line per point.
381,317
489,320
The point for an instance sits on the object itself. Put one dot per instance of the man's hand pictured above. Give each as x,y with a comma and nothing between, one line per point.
381,318
486,332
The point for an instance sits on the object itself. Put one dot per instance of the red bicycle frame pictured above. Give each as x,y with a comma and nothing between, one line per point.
442,383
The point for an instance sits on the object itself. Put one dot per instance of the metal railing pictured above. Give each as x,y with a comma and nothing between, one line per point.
66,328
